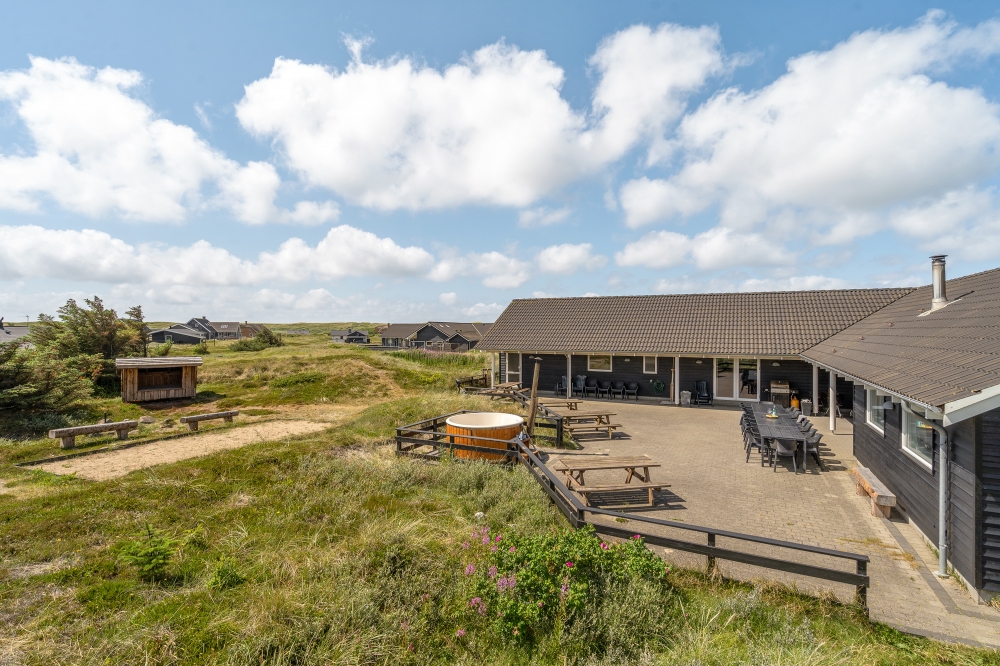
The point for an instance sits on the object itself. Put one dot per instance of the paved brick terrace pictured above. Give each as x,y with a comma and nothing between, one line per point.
701,450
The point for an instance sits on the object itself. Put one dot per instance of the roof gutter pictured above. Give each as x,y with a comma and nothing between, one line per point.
944,472
858,380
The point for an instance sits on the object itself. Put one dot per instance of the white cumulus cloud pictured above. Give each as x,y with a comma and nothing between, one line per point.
497,270
717,248
490,129
98,149
541,217
88,255
568,258
853,129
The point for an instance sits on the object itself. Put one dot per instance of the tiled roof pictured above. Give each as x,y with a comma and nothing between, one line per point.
225,326
946,355
765,323
401,330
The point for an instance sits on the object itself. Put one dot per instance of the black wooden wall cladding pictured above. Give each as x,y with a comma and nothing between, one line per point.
989,490
623,368
916,486
694,370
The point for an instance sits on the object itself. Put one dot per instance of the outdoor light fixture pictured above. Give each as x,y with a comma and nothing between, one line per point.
698,362
887,405
776,364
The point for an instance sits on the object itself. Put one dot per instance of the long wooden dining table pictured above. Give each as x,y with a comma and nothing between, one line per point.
784,427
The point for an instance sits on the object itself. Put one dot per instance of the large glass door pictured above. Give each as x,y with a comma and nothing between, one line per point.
748,389
724,378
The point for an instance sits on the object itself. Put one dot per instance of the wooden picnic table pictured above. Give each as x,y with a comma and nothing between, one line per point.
598,417
508,387
570,403
575,467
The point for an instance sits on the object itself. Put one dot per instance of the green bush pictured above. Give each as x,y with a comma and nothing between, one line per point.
264,339
162,350
297,379
226,575
526,588
151,555
201,348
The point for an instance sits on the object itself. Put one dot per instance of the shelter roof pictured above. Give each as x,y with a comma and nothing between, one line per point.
752,324
401,330
946,355
157,362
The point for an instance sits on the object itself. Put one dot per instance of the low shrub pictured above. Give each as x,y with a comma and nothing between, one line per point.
264,339
201,349
525,589
150,555
161,350
297,379
226,575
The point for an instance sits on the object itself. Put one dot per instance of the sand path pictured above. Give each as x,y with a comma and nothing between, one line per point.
112,464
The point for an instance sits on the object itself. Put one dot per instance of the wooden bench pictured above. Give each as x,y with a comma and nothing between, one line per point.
584,491
574,428
882,499
67,436
193,421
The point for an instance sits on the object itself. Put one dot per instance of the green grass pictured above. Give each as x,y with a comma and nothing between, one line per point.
326,549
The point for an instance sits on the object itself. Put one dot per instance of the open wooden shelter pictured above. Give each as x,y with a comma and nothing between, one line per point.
165,378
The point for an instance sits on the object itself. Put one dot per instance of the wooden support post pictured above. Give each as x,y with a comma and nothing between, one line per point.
677,380
815,393
861,592
569,376
712,568
534,399
833,402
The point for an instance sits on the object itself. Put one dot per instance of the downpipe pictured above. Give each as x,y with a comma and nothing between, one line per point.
944,474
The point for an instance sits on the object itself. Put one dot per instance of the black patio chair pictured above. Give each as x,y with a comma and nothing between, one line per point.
590,386
812,447
603,388
701,396
631,388
580,385
561,386
784,449
618,388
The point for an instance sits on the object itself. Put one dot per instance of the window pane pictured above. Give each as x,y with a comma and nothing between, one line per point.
513,367
599,363
723,378
748,378
919,438
876,415
649,364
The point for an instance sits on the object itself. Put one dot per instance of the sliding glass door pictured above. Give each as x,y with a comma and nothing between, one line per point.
736,378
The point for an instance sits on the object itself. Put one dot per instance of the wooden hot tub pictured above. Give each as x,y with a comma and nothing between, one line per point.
495,425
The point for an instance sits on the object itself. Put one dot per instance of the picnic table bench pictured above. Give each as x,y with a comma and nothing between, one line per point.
193,421
67,436
868,484
574,470
582,417
574,428
568,403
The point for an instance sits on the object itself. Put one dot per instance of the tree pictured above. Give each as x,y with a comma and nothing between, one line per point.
135,324
90,330
36,378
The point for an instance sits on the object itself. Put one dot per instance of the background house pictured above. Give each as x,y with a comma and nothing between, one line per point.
221,330
435,335
179,333
349,335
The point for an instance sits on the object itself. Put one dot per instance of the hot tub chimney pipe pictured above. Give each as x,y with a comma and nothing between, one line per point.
938,282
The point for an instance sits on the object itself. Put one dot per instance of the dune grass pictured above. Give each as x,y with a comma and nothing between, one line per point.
327,549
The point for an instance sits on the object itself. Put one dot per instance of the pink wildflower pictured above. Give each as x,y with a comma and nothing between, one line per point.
471,569
604,546
493,549
404,625
539,604
492,573
569,565
511,549
486,540
498,538
465,545
459,633
636,537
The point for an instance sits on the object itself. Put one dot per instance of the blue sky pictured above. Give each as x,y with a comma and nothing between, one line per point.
391,162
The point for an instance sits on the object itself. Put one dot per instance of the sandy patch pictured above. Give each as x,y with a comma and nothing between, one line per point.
110,465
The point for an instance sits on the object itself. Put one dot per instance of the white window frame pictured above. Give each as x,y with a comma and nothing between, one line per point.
518,371
715,377
869,407
904,440
167,337
656,365
611,362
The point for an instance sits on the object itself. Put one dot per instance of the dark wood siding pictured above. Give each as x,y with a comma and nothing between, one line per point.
989,426
623,368
502,367
692,372
916,487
